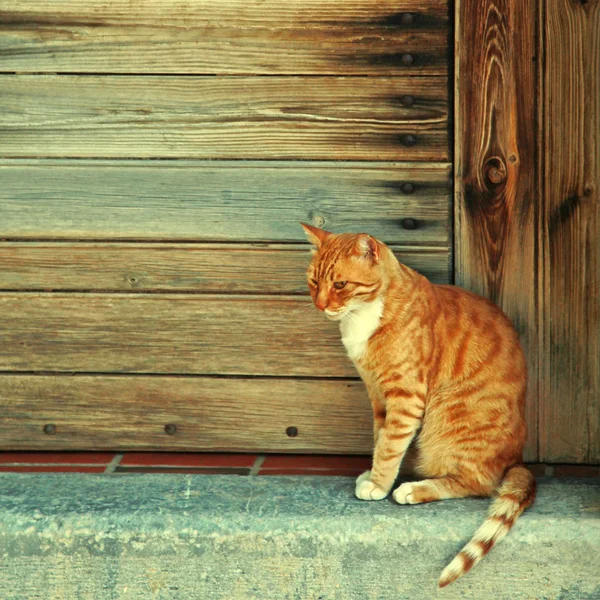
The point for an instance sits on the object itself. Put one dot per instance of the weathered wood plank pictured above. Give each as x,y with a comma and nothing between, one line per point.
169,333
214,37
206,268
321,118
570,262
222,201
124,413
495,184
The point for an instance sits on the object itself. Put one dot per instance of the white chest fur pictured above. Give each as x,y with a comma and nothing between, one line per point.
359,326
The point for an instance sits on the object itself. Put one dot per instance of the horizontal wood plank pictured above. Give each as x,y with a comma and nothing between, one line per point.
222,201
169,333
211,36
206,268
321,118
124,413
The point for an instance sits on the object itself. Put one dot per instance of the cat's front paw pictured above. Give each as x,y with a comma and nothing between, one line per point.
404,494
366,475
367,490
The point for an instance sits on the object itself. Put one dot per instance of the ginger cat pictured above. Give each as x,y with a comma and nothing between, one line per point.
439,363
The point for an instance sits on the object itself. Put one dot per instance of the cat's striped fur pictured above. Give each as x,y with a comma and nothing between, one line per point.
442,367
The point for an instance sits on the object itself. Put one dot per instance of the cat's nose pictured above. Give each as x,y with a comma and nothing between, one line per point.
321,303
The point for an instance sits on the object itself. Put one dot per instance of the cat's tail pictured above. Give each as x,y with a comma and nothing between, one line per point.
515,493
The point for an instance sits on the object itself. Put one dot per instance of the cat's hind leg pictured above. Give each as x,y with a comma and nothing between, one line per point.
430,490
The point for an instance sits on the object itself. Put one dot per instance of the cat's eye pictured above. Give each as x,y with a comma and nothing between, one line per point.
338,285
314,282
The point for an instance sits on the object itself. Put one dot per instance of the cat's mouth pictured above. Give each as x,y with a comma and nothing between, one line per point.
335,315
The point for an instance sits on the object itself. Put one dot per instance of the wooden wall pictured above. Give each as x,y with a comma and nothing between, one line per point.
527,181
155,159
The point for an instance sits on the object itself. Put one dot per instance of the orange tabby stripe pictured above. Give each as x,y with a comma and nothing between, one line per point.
444,359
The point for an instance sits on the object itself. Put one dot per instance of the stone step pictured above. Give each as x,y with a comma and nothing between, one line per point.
80,537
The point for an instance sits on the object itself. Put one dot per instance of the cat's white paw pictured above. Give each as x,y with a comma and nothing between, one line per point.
367,490
402,494
366,475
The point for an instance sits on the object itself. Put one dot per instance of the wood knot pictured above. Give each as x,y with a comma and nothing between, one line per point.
495,170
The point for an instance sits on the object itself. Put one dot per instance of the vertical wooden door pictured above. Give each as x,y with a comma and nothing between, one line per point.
527,175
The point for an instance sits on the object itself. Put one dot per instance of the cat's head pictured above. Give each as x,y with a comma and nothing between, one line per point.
346,271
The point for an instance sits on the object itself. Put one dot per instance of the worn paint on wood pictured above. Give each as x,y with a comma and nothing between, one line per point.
495,209
206,268
215,37
322,118
169,333
244,415
222,201
570,233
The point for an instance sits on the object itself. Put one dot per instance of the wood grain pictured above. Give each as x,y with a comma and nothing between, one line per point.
222,201
570,262
206,268
125,413
321,118
169,334
495,182
213,37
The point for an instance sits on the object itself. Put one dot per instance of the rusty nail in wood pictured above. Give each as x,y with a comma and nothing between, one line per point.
170,429
292,431
50,429
409,223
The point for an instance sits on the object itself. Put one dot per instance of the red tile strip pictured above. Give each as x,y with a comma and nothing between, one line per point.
299,464
212,463
576,471
50,469
187,459
188,470
301,472
66,458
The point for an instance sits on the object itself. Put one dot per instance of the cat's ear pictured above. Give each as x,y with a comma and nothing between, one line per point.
315,235
368,247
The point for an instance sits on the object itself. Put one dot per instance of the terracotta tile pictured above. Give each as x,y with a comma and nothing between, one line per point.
49,469
576,471
538,470
189,470
187,459
303,472
300,461
65,458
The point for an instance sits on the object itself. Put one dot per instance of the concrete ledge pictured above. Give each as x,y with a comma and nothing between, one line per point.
79,537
